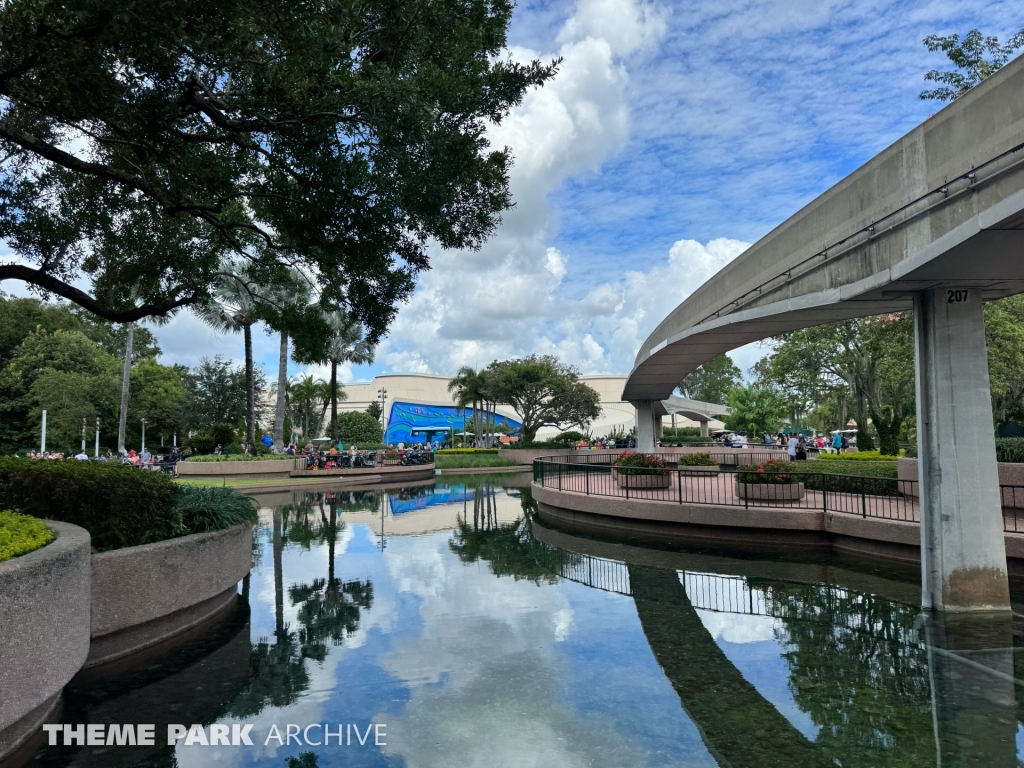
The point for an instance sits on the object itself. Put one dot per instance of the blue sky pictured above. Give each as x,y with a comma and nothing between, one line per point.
673,136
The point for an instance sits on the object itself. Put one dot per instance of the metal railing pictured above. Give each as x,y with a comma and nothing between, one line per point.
875,497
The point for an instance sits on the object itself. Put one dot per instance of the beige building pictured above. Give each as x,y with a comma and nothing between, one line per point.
428,390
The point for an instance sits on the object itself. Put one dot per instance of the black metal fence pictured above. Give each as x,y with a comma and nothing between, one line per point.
722,485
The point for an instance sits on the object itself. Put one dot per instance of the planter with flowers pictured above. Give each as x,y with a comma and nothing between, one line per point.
640,470
770,481
700,463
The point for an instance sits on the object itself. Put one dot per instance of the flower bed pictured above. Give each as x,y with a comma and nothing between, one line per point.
21,534
640,470
771,472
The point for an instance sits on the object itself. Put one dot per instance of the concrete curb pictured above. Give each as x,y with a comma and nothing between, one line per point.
44,630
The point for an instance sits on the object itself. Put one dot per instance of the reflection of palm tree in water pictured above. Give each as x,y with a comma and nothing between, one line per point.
509,549
330,610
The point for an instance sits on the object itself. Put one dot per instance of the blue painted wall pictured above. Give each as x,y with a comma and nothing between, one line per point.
414,423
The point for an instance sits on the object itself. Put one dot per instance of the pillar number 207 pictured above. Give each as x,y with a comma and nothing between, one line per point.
956,297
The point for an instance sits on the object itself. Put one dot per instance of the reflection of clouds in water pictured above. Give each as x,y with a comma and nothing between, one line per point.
485,676
738,628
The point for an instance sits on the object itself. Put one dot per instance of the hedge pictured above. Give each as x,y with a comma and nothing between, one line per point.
119,505
21,534
695,460
468,450
861,456
1010,449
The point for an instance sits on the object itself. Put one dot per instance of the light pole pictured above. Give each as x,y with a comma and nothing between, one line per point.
83,434
143,435
42,448
97,450
383,397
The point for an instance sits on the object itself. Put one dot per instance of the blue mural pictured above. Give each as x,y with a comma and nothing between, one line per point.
414,423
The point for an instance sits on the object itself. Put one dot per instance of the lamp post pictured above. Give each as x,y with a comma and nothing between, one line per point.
42,448
143,435
96,452
83,434
383,397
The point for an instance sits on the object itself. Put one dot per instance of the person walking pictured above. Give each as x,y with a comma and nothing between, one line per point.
792,446
837,442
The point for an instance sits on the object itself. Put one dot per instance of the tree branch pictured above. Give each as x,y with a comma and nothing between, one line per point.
50,283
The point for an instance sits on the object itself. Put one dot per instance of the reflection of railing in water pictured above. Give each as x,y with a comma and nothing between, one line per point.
735,594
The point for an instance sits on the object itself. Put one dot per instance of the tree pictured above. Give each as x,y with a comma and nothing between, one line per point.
342,138
358,427
237,306
756,410
871,359
544,393
375,410
310,397
287,312
217,393
468,388
1004,337
157,394
969,57
344,343
712,381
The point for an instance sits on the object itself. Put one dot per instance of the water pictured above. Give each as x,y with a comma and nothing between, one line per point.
476,637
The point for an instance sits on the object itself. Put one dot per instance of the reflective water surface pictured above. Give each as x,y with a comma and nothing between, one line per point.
476,636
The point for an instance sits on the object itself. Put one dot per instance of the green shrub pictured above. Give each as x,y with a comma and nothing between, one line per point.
462,460
120,506
686,439
203,509
861,456
358,427
571,436
696,460
468,450
21,534
200,444
1010,449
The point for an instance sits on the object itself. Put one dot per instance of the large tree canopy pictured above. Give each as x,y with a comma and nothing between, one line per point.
544,392
141,143
713,381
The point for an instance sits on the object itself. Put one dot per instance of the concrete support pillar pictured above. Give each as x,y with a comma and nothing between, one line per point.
644,426
703,428
659,427
963,556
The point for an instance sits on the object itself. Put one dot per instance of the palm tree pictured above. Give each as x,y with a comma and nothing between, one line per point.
293,292
307,396
235,306
468,386
126,376
346,345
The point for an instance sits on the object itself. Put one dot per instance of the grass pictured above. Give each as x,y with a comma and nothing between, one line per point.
21,534
471,460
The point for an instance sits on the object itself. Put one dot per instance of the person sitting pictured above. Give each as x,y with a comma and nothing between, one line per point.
290,450
133,458
82,455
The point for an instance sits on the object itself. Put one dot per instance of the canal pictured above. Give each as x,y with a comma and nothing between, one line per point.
449,627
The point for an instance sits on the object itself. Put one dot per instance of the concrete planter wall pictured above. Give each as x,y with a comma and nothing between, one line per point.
770,492
44,630
639,482
271,468
144,595
527,455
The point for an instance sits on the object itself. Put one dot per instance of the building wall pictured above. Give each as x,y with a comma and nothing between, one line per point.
428,389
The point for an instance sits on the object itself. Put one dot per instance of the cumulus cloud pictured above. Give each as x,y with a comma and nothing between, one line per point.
509,298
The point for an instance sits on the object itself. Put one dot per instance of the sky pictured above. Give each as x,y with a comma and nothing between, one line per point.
673,136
